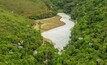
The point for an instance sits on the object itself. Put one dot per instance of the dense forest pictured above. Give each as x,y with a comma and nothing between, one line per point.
88,44
22,45
19,43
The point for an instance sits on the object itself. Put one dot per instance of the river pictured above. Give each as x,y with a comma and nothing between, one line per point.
60,35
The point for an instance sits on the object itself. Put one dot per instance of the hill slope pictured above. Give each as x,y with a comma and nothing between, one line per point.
25,7
16,37
19,43
88,44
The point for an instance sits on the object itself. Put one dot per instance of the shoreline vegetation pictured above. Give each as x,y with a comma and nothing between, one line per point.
42,16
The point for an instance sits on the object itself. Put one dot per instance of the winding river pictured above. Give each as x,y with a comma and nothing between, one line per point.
60,35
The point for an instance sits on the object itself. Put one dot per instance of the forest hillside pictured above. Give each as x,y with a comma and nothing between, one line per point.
88,44
20,44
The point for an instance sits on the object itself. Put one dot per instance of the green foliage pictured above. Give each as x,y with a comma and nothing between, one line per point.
46,54
42,16
17,39
88,44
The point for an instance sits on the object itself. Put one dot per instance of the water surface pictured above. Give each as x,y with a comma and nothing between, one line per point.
60,35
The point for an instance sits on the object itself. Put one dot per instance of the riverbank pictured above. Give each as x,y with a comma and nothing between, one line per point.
48,23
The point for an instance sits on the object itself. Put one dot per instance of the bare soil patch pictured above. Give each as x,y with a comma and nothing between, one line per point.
49,23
